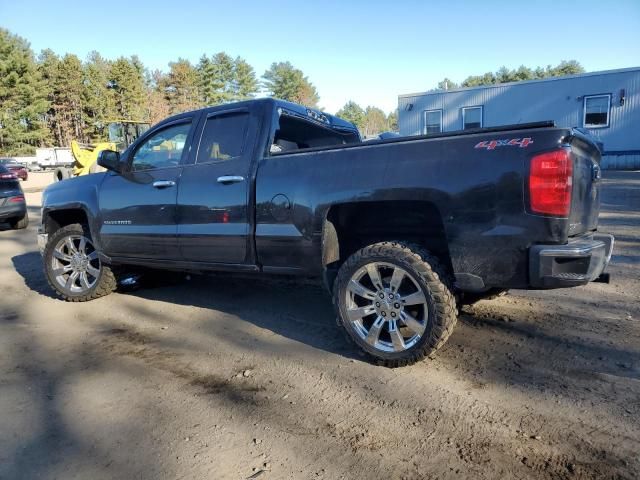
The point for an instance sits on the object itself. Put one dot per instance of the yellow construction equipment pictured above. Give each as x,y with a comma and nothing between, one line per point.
122,133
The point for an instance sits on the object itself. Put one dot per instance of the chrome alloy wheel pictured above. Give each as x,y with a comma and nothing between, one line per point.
386,307
75,264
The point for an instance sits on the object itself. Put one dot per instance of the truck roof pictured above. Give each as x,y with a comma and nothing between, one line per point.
313,114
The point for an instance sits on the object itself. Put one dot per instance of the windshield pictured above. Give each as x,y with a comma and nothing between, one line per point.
116,133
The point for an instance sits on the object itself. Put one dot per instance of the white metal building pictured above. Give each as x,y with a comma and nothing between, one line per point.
607,104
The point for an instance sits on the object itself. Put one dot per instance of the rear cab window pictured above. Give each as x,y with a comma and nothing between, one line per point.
295,133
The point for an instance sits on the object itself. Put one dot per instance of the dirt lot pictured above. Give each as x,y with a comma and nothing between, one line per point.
229,378
37,180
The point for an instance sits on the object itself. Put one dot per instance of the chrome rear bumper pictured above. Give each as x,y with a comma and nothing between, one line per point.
579,262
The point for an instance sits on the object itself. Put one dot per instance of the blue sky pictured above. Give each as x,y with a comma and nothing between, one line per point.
368,51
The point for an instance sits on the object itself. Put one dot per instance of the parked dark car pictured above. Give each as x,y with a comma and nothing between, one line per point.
20,170
13,208
388,135
399,229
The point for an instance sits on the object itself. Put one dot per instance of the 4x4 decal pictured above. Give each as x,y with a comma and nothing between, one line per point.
507,142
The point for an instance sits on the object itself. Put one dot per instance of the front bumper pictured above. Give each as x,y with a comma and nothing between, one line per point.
579,262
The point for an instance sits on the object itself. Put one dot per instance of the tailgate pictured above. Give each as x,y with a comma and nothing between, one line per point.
585,201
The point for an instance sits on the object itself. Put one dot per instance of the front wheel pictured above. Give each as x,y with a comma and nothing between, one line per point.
394,301
73,268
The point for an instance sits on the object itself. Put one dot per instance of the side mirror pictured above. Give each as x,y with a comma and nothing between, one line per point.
110,160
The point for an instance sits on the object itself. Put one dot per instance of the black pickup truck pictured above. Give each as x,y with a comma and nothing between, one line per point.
401,230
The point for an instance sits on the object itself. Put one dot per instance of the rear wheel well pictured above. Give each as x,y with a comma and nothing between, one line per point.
57,219
350,227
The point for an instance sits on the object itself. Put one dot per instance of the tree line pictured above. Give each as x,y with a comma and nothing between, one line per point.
370,120
50,99
504,75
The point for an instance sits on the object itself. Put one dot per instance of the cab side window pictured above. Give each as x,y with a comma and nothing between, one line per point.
223,137
162,149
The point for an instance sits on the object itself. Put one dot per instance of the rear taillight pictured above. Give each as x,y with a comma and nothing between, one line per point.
8,176
17,199
550,181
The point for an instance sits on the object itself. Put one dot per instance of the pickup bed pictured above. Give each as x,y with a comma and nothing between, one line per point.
402,231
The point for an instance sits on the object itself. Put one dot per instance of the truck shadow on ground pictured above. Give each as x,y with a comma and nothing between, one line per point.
292,308
29,267
302,311
295,309
298,310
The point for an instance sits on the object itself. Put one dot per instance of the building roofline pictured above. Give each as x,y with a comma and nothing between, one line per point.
522,82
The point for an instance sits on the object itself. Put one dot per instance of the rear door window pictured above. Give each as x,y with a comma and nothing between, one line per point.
223,137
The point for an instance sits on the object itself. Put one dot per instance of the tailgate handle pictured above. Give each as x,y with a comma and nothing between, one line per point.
226,179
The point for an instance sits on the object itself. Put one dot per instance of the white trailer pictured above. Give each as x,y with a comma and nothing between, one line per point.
54,157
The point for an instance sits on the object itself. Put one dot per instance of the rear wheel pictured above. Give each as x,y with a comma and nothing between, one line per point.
394,301
20,223
73,268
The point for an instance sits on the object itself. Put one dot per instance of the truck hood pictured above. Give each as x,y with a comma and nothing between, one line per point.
72,189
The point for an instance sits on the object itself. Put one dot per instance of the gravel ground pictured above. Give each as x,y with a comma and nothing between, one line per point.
250,378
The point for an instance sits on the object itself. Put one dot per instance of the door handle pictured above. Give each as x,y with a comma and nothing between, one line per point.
163,183
226,179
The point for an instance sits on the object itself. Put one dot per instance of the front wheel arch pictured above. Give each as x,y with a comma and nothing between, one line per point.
54,219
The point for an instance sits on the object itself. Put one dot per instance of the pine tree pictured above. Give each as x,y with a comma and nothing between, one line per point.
224,68
217,79
181,86
65,90
352,112
284,81
375,121
392,121
446,84
98,101
523,73
566,67
206,86
126,82
23,102
245,83
47,67
157,104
